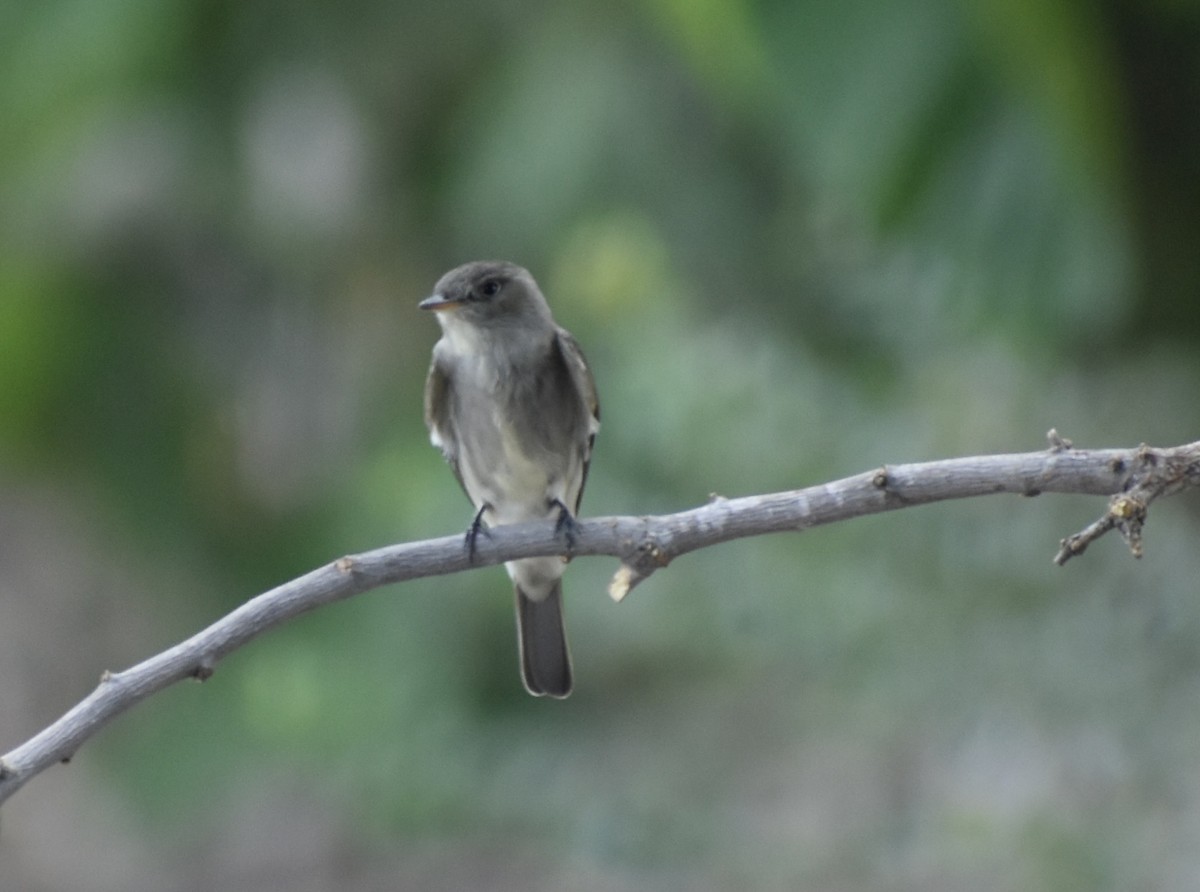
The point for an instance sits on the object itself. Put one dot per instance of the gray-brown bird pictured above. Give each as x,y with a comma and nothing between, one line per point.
512,405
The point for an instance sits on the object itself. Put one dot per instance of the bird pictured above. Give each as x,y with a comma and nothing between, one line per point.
511,403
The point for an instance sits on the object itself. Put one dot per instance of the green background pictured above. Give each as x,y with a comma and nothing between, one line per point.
796,240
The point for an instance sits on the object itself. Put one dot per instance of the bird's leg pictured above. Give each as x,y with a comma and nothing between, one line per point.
565,525
477,526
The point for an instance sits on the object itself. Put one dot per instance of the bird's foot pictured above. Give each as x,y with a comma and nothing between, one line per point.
477,526
566,526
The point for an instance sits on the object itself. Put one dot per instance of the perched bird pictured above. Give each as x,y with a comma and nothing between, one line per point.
512,405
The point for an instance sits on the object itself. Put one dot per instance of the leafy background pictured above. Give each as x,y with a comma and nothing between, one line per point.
797,239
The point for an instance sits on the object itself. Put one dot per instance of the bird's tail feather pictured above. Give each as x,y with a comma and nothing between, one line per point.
545,660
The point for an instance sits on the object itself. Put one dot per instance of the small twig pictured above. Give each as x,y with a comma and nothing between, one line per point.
1126,513
1133,477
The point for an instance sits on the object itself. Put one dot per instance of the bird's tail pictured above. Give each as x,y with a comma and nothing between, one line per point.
545,660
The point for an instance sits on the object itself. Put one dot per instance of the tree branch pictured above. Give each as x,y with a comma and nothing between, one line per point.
1133,478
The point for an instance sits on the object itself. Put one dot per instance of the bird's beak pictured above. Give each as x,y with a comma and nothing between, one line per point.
439,302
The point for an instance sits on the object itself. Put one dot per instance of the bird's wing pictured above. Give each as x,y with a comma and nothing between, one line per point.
438,418
585,384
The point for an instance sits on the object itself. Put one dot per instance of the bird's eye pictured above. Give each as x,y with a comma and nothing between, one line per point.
490,288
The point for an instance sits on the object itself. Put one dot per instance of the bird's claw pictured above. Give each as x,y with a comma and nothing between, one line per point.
566,525
477,526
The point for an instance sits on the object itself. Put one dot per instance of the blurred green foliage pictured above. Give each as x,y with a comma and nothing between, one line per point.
796,240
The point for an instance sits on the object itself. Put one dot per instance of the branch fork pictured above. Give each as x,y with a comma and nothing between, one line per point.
1151,473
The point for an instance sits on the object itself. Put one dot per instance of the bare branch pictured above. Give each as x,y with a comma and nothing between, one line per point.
1132,477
